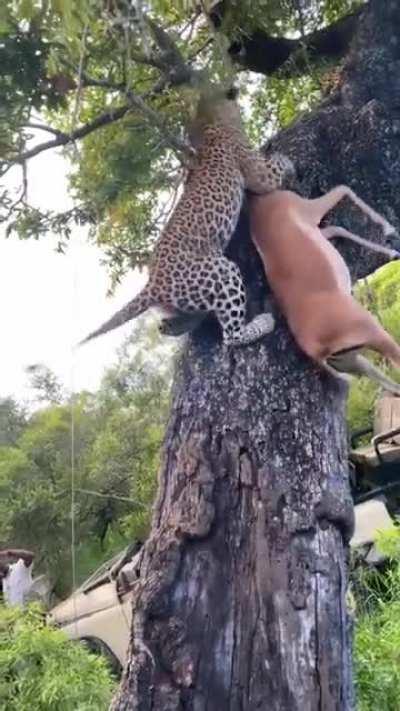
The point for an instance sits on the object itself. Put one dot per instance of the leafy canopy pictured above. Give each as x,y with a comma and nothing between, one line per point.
118,434
121,78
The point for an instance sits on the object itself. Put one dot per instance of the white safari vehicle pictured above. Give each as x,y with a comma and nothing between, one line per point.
99,613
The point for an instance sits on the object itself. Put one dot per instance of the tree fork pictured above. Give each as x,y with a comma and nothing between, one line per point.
241,595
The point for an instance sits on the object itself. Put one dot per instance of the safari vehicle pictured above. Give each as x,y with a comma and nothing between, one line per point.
375,466
99,612
375,475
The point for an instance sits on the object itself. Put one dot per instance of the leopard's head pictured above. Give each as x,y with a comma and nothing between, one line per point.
217,105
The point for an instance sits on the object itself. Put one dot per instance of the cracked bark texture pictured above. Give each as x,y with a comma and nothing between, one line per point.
241,596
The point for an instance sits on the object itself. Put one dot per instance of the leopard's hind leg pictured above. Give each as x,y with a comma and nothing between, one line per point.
214,284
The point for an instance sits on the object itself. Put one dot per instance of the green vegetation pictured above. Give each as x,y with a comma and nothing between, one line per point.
380,294
118,434
134,100
41,669
377,637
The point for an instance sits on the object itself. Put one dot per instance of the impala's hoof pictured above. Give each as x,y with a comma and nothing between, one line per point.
393,242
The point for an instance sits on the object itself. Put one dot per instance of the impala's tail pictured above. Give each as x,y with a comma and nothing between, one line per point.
134,308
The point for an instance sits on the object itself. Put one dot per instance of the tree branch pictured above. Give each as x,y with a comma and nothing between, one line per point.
170,60
63,139
265,54
175,71
42,127
165,43
156,119
102,83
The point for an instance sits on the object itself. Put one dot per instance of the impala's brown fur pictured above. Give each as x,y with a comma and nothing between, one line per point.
311,281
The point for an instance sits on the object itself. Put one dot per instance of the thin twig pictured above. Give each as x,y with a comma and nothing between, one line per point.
13,206
135,101
201,49
24,181
155,118
62,139
42,127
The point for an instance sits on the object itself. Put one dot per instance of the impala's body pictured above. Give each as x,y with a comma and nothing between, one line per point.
312,284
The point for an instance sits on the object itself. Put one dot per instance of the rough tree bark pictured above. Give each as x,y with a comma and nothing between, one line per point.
241,599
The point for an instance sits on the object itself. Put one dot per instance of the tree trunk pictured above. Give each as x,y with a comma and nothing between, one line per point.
244,572
241,597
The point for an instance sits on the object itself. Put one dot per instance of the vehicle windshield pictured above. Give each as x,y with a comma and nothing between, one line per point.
102,573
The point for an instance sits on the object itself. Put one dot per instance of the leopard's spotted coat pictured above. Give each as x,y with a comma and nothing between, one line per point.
189,272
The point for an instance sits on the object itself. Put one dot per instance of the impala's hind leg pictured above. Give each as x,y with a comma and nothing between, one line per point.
334,231
319,207
355,363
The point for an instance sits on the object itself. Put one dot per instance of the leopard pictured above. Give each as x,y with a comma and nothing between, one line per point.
189,273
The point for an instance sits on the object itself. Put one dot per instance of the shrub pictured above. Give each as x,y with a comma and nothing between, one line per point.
377,635
42,670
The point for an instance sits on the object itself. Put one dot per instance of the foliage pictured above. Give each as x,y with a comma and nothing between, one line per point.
41,669
117,440
130,85
379,293
276,104
12,421
35,479
377,638
23,56
44,383
361,403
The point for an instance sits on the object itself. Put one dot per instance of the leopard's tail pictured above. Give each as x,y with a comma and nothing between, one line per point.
133,308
